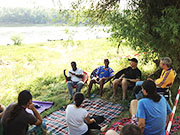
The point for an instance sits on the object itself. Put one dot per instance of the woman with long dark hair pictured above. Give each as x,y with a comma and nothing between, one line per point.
15,119
152,111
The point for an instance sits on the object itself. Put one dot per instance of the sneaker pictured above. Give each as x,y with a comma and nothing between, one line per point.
93,95
112,97
103,129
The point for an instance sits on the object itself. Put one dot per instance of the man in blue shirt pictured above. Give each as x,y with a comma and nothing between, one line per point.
103,74
153,111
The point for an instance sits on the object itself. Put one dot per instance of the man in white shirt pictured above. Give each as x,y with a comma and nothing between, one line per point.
74,78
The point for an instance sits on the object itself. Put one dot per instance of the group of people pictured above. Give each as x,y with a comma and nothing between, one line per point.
149,113
129,77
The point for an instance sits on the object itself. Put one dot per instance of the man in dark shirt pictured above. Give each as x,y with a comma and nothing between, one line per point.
127,77
16,120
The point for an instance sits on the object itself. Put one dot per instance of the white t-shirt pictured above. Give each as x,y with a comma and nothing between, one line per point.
75,120
75,78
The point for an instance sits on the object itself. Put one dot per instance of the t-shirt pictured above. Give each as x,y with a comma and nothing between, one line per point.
19,125
75,120
166,78
129,73
155,114
104,72
132,73
75,78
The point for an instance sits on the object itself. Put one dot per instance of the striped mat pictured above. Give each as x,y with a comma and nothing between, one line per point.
56,123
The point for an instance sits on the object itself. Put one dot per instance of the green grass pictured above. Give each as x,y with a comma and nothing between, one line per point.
39,68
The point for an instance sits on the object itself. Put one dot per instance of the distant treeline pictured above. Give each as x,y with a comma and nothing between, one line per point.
34,16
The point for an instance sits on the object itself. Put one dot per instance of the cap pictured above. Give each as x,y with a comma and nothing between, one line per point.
134,60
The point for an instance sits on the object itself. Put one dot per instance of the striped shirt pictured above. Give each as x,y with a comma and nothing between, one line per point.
166,78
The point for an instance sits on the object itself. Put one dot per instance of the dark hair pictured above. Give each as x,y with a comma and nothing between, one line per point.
73,62
78,98
131,130
150,88
106,60
23,99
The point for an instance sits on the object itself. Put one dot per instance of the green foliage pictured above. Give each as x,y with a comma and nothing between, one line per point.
17,39
148,26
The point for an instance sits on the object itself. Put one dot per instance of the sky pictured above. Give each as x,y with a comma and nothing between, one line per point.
41,3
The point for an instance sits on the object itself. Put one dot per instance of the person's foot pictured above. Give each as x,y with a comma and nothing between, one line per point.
98,96
92,96
103,129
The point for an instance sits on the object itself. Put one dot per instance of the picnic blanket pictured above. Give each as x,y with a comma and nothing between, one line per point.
41,106
56,123
174,129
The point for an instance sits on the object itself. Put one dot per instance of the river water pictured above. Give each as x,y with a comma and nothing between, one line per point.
36,34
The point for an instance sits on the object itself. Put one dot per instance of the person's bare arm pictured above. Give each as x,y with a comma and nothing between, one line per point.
141,124
77,75
36,114
89,121
168,118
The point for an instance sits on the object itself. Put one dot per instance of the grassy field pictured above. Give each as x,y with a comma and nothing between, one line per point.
39,68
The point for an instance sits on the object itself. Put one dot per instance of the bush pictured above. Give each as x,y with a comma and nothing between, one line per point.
17,39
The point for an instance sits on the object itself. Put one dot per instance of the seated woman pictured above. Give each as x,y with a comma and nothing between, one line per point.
77,118
15,119
2,109
151,113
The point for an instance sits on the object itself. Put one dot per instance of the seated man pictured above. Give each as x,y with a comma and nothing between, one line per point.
167,75
74,78
2,109
103,74
151,113
16,120
127,77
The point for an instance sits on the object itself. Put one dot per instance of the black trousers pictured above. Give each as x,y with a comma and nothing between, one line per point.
92,126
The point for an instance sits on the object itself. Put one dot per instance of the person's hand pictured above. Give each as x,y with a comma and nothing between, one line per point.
93,120
150,79
120,127
31,107
122,75
104,78
64,70
72,73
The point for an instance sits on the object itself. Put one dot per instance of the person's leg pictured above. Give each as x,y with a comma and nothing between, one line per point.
90,86
70,88
79,86
133,107
116,83
139,83
124,87
94,125
111,132
101,83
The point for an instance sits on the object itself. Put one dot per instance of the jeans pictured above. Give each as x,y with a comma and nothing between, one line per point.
71,85
38,130
139,83
139,95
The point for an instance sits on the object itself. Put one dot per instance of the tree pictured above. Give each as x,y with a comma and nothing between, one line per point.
148,25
